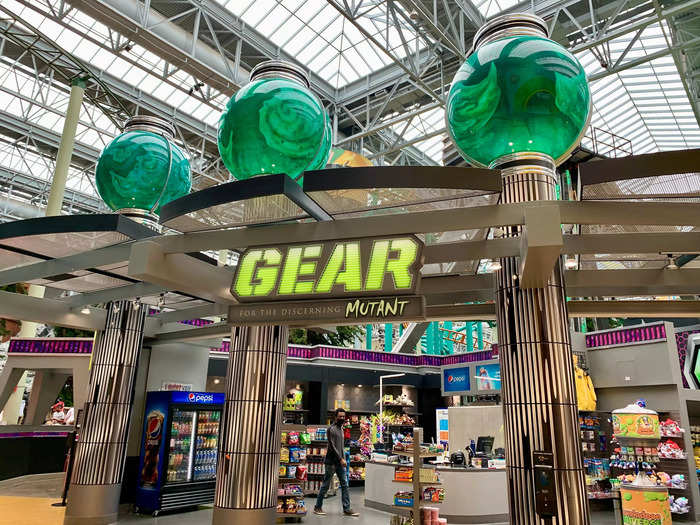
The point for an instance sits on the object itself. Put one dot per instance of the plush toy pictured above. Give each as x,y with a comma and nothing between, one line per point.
679,505
670,450
670,428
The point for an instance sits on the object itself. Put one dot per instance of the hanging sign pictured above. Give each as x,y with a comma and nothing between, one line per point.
340,311
367,267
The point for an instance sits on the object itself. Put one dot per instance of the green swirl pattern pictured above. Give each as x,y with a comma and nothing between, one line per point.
132,172
521,93
271,126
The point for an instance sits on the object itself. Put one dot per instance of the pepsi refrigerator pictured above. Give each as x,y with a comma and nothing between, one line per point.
177,468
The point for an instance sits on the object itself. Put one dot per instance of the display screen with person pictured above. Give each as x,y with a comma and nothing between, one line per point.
335,464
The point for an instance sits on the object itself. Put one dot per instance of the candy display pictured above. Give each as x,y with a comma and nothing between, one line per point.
403,499
433,494
293,473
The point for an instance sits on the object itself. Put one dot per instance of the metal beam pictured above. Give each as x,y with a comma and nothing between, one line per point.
148,262
572,212
49,311
112,294
666,309
195,312
540,246
409,339
631,283
624,309
192,334
71,263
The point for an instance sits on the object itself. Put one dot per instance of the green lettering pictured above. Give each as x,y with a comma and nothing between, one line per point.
257,273
377,266
294,268
399,267
345,256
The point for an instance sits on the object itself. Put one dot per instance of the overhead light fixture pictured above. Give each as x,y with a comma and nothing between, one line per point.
85,310
359,386
671,265
217,381
570,263
494,266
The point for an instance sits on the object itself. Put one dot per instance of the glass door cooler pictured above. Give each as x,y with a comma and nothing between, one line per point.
179,450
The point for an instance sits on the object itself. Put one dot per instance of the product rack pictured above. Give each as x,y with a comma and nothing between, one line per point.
286,480
416,483
677,466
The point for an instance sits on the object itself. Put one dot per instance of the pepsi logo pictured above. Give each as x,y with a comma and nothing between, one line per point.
190,396
455,379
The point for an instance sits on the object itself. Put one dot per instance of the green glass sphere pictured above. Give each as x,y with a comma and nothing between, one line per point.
324,151
518,94
132,172
271,125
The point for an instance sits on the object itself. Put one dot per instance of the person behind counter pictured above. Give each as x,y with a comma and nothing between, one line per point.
335,464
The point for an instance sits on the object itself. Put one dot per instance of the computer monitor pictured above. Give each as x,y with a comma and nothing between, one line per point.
484,445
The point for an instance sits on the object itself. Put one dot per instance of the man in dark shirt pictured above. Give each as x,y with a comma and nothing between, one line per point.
335,464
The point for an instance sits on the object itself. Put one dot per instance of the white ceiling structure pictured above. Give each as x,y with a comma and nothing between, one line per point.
381,67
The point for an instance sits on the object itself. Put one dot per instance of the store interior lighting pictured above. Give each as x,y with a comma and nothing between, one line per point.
85,310
570,263
494,266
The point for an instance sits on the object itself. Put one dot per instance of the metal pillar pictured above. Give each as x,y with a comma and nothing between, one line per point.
539,393
54,204
65,148
249,447
470,336
93,498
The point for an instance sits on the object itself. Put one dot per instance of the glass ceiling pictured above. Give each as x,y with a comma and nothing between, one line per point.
646,104
325,41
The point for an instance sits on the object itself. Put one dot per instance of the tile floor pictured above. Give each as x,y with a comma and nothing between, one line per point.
27,501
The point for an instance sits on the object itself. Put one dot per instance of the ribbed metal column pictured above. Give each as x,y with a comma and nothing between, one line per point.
539,393
93,498
249,445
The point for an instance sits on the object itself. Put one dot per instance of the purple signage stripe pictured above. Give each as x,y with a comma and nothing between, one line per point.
33,434
84,346
50,346
350,354
624,336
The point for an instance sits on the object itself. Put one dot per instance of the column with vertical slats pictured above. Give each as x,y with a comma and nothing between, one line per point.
539,393
248,462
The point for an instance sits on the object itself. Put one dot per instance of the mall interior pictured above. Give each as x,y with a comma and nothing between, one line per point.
384,262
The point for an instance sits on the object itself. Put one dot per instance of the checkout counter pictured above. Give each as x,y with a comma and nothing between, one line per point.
472,495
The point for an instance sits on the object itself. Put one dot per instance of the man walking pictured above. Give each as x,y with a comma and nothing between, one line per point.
335,464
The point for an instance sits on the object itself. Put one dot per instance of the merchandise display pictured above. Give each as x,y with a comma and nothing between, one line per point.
293,471
417,475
